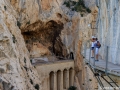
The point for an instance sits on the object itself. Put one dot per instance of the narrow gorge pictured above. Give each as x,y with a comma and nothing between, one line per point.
43,42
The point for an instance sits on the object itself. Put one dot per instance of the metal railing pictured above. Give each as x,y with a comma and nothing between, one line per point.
104,74
107,54
106,69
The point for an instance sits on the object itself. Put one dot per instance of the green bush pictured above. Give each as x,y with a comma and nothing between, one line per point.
72,88
67,4
73,3
88,10
73,9
77,6
81,2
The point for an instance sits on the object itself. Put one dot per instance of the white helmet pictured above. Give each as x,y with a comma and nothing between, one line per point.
93,37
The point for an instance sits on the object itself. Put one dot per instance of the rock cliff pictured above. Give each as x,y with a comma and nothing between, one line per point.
35,28
108,29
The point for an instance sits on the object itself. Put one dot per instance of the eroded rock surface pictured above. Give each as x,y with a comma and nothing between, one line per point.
35,28
108,29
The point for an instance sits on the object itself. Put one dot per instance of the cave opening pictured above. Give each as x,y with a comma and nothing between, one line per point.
47,35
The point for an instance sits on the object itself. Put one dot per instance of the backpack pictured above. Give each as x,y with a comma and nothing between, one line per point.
98,44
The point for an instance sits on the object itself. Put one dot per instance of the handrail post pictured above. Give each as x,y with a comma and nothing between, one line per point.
89,56
85,51
94,57
106,69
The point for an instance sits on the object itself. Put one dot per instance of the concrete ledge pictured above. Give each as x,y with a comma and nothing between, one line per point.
51,62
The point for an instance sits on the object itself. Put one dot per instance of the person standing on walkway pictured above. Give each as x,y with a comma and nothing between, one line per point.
92,46
97,45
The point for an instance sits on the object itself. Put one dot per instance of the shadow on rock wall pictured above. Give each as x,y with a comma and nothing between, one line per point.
46,37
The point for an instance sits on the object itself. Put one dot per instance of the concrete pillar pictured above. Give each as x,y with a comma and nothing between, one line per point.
67,79
72,77
51,81
61,83
58,79
55,81
48,82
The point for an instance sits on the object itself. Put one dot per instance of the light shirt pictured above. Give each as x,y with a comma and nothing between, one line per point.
92,45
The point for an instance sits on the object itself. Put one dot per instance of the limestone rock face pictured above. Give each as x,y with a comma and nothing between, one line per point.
108,29
42,50
38,28
16,71
90,3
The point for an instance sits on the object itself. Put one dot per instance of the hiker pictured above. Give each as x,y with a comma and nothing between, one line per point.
92,46
97,45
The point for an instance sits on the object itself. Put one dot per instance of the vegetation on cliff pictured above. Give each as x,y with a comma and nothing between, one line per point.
72,88
77,6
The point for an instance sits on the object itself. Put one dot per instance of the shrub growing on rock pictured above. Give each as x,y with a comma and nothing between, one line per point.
77,6
72,88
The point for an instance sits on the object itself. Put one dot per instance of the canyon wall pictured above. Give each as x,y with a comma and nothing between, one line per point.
108,29
16,71
37,28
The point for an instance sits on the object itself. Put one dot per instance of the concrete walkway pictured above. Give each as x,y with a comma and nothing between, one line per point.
101,65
